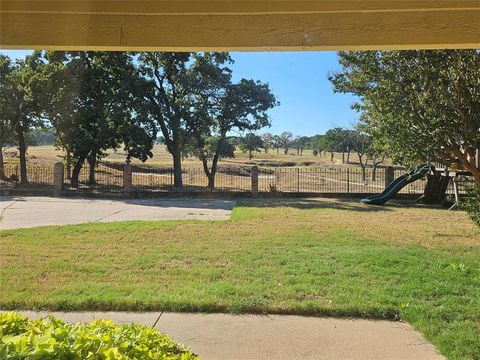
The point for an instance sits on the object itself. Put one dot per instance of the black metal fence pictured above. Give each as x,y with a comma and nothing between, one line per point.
39,180
146,180
108,180
329,180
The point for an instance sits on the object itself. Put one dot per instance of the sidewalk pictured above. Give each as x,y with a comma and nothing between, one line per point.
221,336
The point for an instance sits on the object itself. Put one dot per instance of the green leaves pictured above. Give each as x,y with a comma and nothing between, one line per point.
92,101
472,203
103,340
251,142
417,104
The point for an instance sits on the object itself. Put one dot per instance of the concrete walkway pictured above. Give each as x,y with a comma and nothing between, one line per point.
220,336
25,212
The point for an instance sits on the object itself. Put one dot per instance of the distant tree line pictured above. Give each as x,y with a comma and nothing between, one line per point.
336,140
96,101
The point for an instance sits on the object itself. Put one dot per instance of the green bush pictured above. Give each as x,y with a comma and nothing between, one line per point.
472,203
52,338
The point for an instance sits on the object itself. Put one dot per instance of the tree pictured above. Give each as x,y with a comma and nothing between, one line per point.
362,144
267,139
348,144
250,143
19,107
92,105
340,140
301,143
423,104
177,88
286,139
276,143
334,139
377,150
7,118
294,144
224,106
319,142
210,149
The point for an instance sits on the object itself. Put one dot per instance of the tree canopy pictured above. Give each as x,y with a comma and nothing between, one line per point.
20,110
251,142
422,105
90,100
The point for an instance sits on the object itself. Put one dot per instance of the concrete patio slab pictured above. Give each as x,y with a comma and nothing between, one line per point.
25,212
222,336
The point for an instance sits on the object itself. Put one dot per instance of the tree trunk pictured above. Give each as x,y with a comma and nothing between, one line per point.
22,149
476,176
250,155
211,181
364,173
475,173
2,165
469,164
343,157
363,166
375,167
278,149
92,162
76,172
331,156
348,157
177,169
474,168
211,173
69,165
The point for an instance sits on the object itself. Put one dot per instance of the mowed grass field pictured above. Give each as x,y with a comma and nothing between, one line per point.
41,155
313,257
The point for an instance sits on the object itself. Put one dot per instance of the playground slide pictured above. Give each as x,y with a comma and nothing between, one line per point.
397,185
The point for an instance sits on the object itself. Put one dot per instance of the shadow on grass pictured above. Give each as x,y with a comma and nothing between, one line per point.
372,313
349,204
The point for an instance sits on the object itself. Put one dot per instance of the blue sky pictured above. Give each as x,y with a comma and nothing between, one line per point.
308,105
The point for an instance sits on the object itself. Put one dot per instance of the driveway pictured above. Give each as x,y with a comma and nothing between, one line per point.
25,212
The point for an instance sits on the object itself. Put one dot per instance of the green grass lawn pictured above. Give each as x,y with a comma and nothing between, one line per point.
316,257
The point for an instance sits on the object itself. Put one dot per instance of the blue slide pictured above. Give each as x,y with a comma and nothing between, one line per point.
397,185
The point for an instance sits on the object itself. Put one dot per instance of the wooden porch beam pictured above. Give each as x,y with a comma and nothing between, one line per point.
238,25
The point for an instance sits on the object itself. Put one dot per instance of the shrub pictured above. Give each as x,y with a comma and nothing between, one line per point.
472,203
52,338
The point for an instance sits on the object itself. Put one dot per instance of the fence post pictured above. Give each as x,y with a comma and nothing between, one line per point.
389,175
127,181
58,179
254,180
